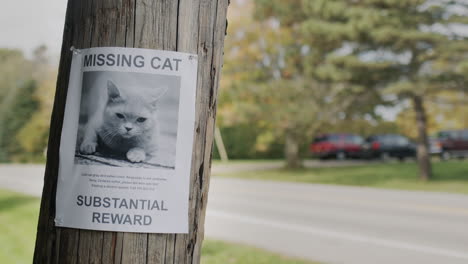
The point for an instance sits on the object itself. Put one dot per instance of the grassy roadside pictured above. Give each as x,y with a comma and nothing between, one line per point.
216,252
18,219
245,161
449,176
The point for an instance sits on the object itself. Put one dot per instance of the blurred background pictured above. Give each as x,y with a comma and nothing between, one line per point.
361,95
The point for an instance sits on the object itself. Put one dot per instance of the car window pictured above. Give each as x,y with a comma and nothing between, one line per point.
448,135
464,134
348,139
401,141
387,140
327,138
353,139
358,140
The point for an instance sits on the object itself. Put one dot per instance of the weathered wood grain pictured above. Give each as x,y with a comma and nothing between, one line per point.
134,248
157,248
194,26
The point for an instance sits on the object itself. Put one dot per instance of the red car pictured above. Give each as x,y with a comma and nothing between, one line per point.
339,146
450,144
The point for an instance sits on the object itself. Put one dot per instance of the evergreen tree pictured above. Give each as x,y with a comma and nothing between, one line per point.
407,48
280,79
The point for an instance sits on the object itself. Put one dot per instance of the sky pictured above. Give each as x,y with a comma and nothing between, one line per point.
26,24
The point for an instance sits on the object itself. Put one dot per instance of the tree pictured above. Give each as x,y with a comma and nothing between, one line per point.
445,110
17,102
14,117
291,79
33,135
15,69
411,40
26,94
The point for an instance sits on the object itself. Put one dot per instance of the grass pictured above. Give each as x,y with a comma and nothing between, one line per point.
216,252
449,176
18,220
245,161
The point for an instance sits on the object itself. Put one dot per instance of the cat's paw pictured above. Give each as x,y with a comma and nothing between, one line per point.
88,147
136,155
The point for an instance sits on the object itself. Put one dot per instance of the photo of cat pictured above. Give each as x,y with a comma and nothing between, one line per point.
128,120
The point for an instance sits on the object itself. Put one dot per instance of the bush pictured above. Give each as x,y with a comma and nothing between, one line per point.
241,143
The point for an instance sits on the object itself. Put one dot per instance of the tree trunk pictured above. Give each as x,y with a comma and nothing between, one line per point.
193,26
220,145
424,159
291,151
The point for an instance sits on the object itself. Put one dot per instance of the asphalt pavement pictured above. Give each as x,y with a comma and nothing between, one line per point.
335,224
331,224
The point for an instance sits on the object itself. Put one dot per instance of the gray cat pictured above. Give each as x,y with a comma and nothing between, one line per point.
125,125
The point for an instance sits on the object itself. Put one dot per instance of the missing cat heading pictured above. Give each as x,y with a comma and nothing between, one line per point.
129,60
128,120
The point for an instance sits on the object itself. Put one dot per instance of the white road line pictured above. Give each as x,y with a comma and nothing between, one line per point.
339,235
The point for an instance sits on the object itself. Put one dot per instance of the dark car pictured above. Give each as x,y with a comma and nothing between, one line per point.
451,143
388,146
340,146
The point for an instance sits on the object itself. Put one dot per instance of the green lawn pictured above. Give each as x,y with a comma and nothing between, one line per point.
449,176
245,161
216,252
18,219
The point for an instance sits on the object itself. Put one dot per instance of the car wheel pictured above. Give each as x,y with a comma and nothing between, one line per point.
445,155
341,155
384,156
401,158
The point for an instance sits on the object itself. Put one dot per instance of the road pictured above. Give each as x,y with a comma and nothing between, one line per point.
331,224
336,224
27,179
220,167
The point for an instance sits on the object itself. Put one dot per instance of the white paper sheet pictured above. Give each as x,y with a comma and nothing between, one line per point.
126,144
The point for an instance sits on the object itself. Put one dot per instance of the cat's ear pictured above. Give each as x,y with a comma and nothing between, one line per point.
157,94
113,92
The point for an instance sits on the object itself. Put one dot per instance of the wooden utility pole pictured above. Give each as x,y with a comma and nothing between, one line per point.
192,26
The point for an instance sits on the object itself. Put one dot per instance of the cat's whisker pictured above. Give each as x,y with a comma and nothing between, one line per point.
109,136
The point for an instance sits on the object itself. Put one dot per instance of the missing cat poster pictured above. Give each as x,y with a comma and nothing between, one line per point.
126,143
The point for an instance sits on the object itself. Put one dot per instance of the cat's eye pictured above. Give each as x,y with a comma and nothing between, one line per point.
119,115
141,119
